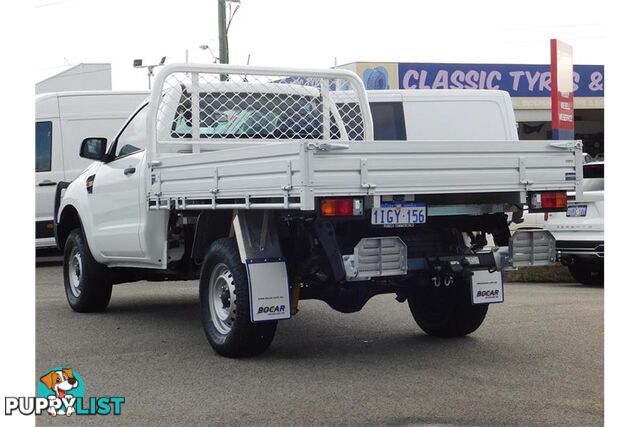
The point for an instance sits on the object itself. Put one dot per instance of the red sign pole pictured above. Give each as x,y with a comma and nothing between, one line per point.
562,123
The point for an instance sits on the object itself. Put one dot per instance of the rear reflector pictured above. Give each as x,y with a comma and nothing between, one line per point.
548,201
341,207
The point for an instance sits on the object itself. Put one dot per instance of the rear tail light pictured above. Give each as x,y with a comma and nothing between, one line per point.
341,207
548,201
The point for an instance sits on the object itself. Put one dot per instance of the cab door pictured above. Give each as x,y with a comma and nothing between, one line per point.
116,193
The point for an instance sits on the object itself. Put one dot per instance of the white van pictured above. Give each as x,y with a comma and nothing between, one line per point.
63,120
426,115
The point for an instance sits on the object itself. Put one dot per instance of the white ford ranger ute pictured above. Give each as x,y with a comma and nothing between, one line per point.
281,193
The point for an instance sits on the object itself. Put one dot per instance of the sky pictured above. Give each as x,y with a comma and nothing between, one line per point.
311,33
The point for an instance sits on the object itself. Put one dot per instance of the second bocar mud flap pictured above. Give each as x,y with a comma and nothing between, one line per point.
487,287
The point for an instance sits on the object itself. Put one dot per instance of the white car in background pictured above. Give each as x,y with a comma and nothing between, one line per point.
579,232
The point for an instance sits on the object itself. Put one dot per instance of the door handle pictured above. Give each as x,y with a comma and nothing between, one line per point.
129,171
47,183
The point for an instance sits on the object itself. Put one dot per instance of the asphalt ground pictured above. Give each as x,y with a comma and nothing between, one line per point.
536,360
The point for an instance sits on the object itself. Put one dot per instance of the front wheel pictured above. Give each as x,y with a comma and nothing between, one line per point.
86,282
224,304
447,311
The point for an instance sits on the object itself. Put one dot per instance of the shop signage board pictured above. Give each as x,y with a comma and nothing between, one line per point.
520,80
562,123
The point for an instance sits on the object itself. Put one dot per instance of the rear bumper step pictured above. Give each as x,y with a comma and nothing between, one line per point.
376,257
531,248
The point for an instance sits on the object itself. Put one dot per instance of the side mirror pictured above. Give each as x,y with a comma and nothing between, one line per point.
93,148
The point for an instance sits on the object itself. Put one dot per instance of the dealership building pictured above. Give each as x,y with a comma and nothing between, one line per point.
529,86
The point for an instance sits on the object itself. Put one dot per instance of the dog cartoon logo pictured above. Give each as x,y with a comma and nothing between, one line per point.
65,386
61,391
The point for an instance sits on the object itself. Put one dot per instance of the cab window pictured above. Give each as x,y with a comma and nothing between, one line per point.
134,136
43,146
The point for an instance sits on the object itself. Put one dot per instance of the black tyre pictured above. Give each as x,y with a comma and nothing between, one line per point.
590,274
447,311
224,304
86,282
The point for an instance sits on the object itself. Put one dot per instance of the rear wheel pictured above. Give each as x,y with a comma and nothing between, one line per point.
224,304
447,311
86,282
590,274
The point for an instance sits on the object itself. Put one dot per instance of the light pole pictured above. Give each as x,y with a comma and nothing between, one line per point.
137,63
223,27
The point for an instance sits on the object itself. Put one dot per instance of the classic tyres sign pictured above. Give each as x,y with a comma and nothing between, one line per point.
520,80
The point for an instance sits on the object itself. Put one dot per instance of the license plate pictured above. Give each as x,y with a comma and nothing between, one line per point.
402,214
575,210
486,287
